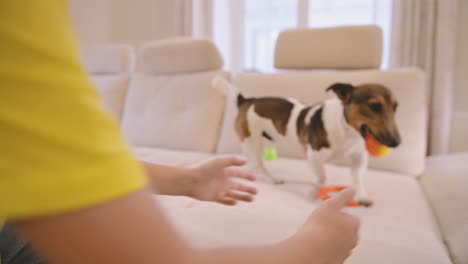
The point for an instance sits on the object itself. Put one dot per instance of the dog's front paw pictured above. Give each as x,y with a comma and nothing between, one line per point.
365,202
273,179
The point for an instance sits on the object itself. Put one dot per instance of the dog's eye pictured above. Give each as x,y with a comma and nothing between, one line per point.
395,107
376,107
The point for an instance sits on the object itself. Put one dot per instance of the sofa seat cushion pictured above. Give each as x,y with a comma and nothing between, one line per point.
445,183
399,228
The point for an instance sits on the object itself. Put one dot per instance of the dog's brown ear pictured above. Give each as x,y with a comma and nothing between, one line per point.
342,90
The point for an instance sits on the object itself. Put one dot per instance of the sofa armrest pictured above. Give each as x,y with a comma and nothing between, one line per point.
445,183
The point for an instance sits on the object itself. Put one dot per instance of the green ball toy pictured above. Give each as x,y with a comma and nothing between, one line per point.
270,154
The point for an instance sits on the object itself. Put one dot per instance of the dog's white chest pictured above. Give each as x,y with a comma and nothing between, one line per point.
344,140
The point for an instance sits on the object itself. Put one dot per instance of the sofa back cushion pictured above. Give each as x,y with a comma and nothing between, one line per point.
180,111
180,55
110,67
172,104
112,90
347,47
408,86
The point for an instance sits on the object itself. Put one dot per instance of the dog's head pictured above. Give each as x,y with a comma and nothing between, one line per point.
370,108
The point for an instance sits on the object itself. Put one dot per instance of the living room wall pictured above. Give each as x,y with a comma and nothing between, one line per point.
93,20
136,22
122,21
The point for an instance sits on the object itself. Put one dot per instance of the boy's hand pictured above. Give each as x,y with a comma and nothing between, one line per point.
214,181
331,233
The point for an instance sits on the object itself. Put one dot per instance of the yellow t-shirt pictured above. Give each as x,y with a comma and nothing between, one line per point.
59,150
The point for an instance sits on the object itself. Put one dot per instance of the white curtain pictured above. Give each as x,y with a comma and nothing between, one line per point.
424,35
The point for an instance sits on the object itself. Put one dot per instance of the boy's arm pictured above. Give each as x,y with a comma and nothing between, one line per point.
169,180
133,229
213,180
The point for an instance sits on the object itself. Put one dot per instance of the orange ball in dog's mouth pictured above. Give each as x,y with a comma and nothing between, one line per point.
375,148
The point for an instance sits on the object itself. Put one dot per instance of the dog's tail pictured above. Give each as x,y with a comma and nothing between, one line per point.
228,89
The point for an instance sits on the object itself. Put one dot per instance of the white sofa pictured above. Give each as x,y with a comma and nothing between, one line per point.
110,67
172,115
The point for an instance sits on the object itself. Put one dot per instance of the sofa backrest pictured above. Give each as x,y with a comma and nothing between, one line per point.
408,86
350,47
110,67
171,103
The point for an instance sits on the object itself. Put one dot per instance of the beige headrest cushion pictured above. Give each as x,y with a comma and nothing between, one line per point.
109,58
352,47
180,55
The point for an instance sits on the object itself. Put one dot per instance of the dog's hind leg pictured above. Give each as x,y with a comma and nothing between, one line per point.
253,149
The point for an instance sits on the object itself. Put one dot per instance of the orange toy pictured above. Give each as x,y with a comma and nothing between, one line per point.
324,193
375,148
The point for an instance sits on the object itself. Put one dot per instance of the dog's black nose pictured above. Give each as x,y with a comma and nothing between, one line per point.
394,142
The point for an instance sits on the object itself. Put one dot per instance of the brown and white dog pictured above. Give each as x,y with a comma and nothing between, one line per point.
334,128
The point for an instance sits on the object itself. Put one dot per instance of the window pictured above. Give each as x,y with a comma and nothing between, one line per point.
263,21
329,13
246,30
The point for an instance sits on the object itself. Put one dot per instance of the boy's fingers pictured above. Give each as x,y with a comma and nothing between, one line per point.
227,201
240,196
341,199
230,161
243,175
245,188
